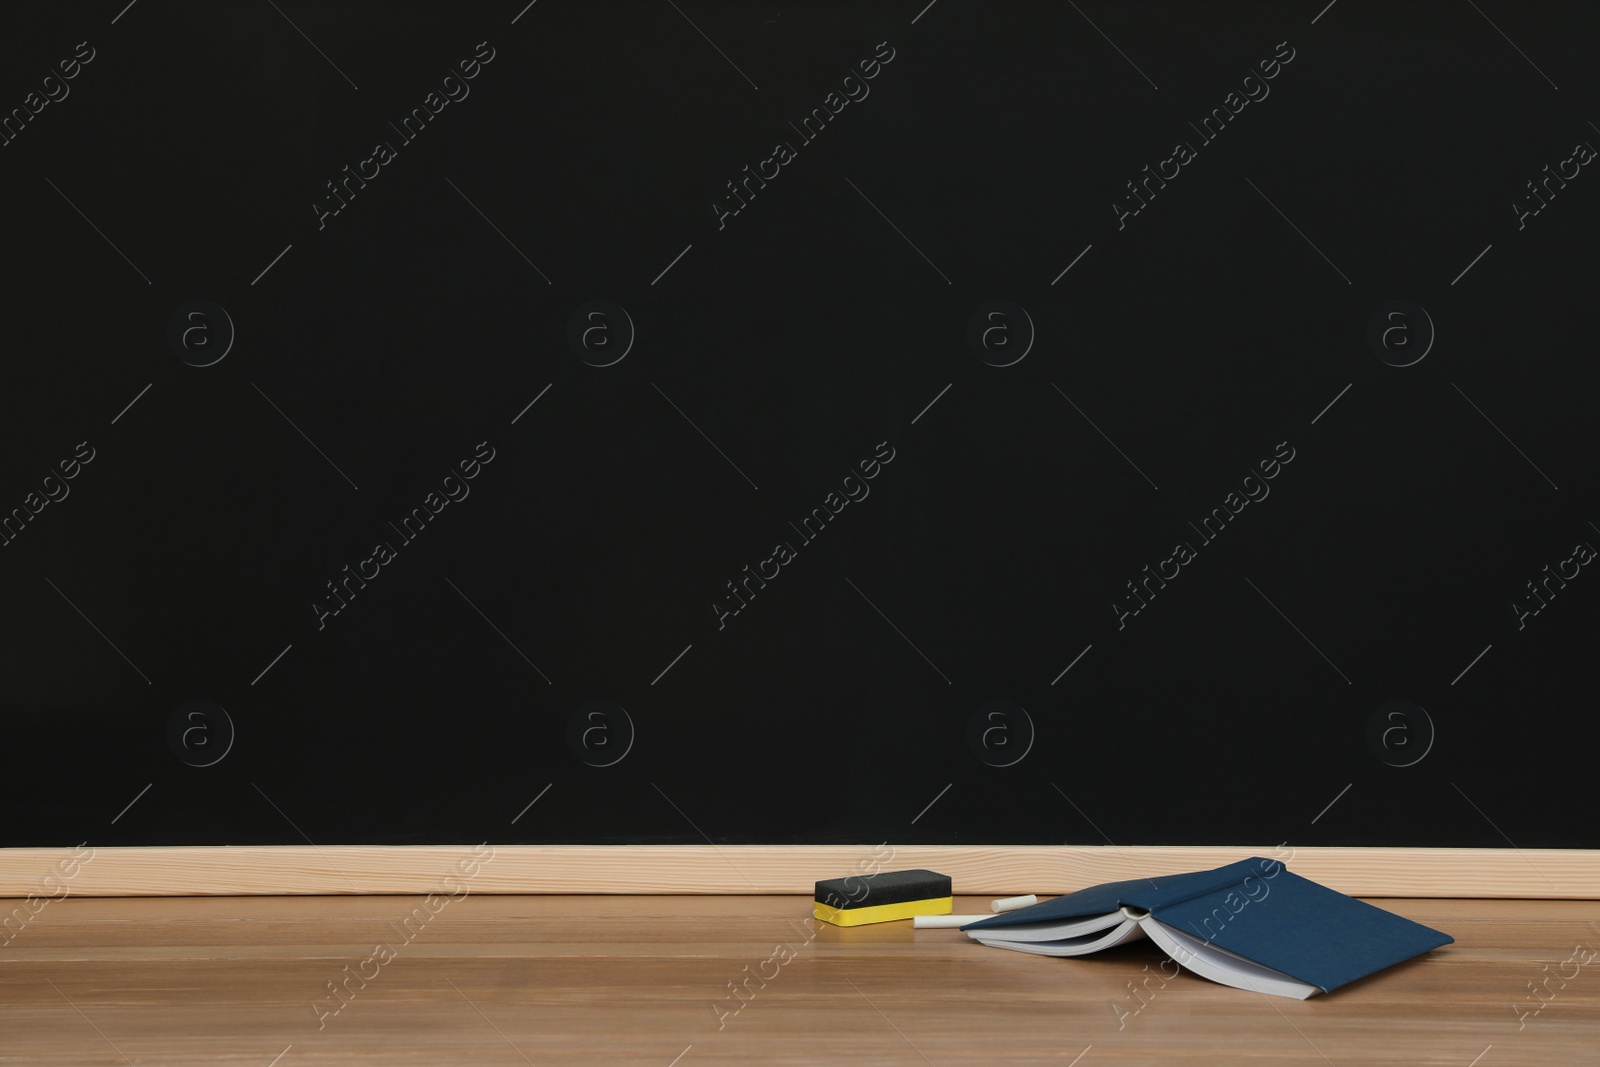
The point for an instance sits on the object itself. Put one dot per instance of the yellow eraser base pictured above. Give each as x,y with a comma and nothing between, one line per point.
882,913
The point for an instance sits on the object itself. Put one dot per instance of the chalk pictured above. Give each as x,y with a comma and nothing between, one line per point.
943,922
1013,903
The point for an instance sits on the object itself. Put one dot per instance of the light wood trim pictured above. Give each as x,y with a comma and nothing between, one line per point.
741,869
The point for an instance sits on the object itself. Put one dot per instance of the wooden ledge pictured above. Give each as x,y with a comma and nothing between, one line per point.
742,869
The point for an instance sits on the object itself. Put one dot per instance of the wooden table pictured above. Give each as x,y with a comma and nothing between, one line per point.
510,980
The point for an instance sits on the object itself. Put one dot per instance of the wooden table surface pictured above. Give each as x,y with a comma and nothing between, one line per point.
646,980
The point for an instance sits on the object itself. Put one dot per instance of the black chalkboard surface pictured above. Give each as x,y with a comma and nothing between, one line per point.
685,421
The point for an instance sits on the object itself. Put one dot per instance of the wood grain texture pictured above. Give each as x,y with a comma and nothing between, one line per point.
505,981
632,869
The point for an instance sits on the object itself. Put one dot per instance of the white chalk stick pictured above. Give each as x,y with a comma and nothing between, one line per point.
1013,903
942,922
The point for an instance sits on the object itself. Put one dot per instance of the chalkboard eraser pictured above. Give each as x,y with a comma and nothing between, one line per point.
876,898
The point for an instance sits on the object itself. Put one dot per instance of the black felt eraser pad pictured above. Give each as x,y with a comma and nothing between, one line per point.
890,887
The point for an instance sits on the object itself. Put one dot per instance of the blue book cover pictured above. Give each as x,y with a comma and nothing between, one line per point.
1251,924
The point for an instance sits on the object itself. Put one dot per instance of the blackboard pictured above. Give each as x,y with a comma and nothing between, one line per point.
686,421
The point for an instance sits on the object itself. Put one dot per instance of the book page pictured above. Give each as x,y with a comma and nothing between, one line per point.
1050,929
1125,930
1219,965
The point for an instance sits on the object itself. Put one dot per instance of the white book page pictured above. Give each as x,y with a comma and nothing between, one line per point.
1219,965
1050,929
1125,930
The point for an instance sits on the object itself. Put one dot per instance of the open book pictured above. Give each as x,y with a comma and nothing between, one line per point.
1251,925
